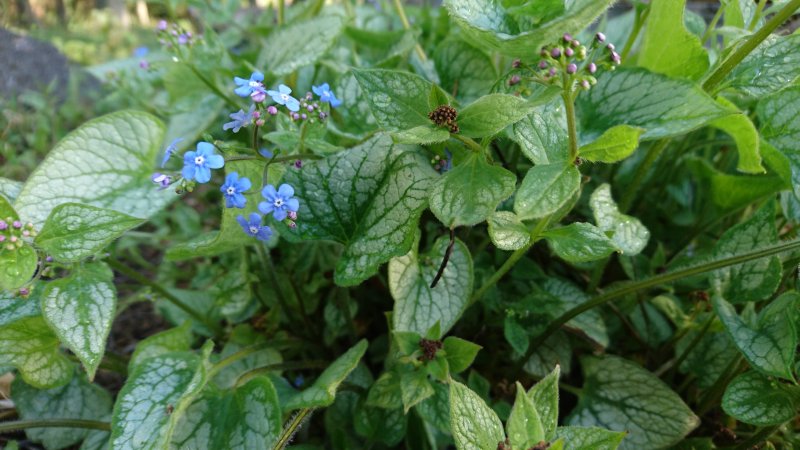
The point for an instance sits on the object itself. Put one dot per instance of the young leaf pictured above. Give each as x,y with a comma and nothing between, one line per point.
369,198
595,438
755,399
423,135
474,425
436,409
418,306
18,265
620,395
667,108
460,353
516,335
769,346
491,113
74,231
399,100
507,231
579,242
615,144
628,233
771,67
386,392
744,133
310,40
178,339
80,309
114,154
542,135
323,391
524,427
544,396
465,71
78,399
545,189
414,387
30,346
681,55
469,193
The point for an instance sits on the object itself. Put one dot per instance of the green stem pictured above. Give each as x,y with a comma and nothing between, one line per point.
54,423
276,159
759,437
291,428
657,280
212,86
749,45
398,6
757,15
141,279
469,142
712,25
637,28
297,365
677,362
569,103
232,358
281,11
641,172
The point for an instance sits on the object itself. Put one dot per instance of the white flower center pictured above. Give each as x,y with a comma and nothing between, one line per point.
326,93
278,202
253,230
285,97
254,84
199,160
231,190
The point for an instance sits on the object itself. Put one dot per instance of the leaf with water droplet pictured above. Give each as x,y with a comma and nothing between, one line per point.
17,266
474,425
771,67
628,233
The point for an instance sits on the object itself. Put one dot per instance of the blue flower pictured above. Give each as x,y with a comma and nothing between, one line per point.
169,151
232,190
248,87
240,119
197,165
326,94
266,153
254,227
279,202
163,181
141,52
282,97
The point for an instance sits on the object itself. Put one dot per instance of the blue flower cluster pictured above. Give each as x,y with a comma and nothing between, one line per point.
280,202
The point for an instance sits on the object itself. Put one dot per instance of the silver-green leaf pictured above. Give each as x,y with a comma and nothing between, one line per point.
491,113
310,40
30,346
755,399
627,233
579,242
474,425
545,189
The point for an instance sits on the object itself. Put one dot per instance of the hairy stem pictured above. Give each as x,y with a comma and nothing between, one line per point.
569,104
54,423
291,428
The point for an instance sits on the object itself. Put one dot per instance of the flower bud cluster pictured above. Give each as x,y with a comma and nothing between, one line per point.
173,35
445,116
13,233
310,110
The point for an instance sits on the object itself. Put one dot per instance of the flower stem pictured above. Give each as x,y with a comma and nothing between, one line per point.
569,104
639,21
276,159
291,428
652,156
469,142
657,280
281,12
398,6
54,423
212,86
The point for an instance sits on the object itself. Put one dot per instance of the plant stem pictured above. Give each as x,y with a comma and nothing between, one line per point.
398,6
232,358
757,15
677,361
296,365
281,13
749,45
664,278
569,104
712,25
212,86
638,21
757,438
276,159
718,388
291,428
141,279
641,171
469,142
54,423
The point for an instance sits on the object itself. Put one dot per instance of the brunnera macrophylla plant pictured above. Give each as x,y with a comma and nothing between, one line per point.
340,211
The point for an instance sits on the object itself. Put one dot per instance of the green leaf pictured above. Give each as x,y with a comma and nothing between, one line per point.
464,70
150,399
486,24
780,118
309,39
30,346
710,357
542,134
667,108
491,113
78,399
755,399
627,233
114,154
579,438
474,425
515,335
616,144
469,193
460,353
579,242
74,231
10,189
423,135
770,345
733,192
382,425
323,391
620,395
556,350
545,189
682,54
80,309
418,306
369,198
507,231
414,387
385,392
247,417
17,266
13,308
744,133
524,427
399,100
176,339
230,235
544,396
436,409
756,279
771,67
407,341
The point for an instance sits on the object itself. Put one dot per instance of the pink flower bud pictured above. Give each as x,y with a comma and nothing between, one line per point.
555,53
572,68
272,110
600,37
569,52
592,67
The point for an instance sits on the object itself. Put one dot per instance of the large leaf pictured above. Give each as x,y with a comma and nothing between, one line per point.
524,426
771,343
579,242
755,399
619,395
474,425
680,56
491,113
580,438
544,396
17,264
780,118
465,71
469,193
78,399
418,306
667,108
368,198
542,135
615,144
107,163
13,308
545,189
309,41
771,67
399,100
74,231
30,346
323,391
80,309
176,339
559,296
628,233
487,24
10,189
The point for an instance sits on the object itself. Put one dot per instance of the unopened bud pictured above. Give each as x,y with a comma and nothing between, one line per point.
600,37
569,52
516,63
292,215
272,110
543,65
572,68
592,68
514,80
585,85
567,37
556,52
611,47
